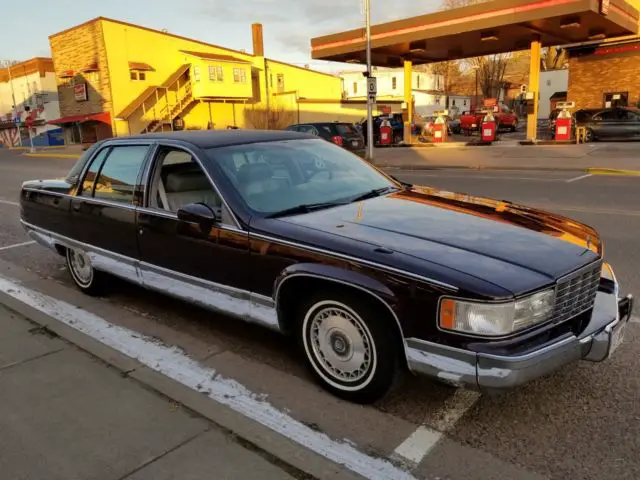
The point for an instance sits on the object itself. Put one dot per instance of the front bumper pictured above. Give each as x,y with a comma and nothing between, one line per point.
495,372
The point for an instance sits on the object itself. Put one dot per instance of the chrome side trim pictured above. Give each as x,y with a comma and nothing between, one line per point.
48,192
158,212
110,203
213,296
343,256
380,299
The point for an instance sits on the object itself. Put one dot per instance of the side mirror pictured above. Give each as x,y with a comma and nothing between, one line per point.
200,214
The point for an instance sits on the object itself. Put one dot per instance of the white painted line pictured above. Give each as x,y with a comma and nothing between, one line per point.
423,439
170,361
580,177
7,202
16,245
418,444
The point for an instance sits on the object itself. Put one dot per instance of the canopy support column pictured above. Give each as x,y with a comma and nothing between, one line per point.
534,87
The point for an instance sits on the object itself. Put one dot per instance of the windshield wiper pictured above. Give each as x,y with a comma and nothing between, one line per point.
305,208
374,193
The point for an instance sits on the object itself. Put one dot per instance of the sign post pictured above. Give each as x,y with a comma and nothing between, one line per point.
371,82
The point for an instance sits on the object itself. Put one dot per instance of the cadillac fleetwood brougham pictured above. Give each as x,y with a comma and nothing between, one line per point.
368,275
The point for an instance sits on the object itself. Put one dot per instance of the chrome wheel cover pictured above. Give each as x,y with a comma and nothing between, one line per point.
340,344
80,265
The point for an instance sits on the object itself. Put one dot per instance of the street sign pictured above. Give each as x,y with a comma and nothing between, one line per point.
372,87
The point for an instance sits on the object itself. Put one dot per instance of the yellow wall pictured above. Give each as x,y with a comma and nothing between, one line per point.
227,88
125,43
307,83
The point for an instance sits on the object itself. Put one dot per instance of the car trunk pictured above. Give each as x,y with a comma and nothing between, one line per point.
351,139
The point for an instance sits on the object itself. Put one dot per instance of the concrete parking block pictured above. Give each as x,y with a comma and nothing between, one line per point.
211,455
68,416
18,345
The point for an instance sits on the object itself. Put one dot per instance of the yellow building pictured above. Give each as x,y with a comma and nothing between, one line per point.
116,78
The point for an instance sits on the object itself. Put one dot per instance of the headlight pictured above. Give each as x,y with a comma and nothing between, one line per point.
496,319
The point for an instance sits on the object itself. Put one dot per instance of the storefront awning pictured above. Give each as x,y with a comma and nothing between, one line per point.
103,117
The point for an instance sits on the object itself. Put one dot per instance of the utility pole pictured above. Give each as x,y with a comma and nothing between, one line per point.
13,98
370,97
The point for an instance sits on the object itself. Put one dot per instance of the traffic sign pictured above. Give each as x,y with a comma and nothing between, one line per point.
372,86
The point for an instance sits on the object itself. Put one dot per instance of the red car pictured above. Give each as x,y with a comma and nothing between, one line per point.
470,122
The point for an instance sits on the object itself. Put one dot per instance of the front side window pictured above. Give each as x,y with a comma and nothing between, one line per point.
239,75
278,176
118,177
178,180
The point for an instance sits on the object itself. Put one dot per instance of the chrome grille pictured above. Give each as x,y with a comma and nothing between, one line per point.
576,293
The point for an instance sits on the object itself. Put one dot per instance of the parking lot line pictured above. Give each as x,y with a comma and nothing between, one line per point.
176,365
7,202
579,178
418,444
16,245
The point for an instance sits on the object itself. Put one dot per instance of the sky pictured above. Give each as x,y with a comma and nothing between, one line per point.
289,25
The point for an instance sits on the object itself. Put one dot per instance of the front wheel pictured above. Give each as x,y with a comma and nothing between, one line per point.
349,347
589,136
86,278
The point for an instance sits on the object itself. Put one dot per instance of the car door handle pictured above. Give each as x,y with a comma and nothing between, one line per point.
76,208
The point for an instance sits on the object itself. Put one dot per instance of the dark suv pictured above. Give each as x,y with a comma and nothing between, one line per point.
343,134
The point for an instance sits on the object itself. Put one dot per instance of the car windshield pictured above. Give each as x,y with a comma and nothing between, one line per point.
279,176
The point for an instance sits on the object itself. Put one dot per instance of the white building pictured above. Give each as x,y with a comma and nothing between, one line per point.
552,81
426,87
30,84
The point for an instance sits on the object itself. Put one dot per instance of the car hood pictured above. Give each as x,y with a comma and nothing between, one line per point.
489,239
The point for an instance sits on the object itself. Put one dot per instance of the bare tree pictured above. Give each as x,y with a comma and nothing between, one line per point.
555,58
273,118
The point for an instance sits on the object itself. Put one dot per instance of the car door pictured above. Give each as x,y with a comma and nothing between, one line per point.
605,124
629,124
177,254
103,209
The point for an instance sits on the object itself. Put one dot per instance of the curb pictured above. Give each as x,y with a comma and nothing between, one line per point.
613,171
52,155
285,452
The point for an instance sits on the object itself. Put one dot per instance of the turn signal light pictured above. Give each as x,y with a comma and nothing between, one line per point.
447,314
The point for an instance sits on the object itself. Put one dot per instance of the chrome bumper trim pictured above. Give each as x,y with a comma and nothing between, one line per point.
495,372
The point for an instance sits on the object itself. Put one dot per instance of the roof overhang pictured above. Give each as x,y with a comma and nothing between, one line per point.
492,27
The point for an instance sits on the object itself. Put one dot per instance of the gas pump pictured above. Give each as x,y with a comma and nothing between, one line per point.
488,128
386,132
440,128
563,121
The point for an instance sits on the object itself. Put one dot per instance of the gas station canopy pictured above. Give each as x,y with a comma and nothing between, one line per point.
487,28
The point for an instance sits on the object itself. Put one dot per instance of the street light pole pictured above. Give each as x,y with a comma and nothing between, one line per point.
367,14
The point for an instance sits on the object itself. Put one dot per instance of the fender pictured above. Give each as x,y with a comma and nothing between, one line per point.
360,281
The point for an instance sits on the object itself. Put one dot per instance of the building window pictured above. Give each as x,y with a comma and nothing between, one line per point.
142,76
133,75
280,80
216,73
453,103
394,83
239,75
437,100
616,99
418,82
196,73
355,88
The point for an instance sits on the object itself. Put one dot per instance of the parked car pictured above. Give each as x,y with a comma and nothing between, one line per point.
505,117
622,123
368,275
345,135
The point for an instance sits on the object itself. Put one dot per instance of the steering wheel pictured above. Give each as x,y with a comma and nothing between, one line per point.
320,167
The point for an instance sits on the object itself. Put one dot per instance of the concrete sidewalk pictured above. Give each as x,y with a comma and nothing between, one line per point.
66,414
510,156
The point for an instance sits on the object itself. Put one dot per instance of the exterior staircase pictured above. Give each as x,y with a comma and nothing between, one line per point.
158,106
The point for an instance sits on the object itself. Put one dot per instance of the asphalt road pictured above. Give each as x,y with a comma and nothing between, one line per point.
581,423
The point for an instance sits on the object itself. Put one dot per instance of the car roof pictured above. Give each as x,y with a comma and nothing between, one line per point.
223,138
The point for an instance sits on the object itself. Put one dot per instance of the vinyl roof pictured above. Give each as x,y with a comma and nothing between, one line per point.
496,26
223,138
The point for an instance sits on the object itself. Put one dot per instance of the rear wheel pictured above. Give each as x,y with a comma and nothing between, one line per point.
589,135
86,278
348,346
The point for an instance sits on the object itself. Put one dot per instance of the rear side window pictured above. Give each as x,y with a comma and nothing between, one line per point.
345,129
117,179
